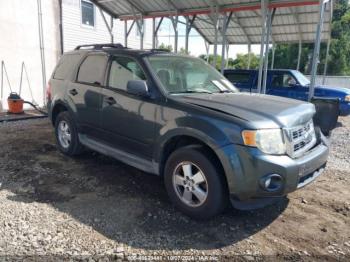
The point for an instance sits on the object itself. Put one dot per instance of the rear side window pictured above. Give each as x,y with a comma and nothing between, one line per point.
122,70
65,66
238,78
92,69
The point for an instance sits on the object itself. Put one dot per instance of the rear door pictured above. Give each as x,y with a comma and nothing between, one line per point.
128,120
85,92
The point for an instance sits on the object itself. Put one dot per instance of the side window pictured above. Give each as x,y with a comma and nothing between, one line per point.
87,13
238,78
65,66
283,80
92,70
122,70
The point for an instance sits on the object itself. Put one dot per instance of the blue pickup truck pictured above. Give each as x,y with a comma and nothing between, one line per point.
287,83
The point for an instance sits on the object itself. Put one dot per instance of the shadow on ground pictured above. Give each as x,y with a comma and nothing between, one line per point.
122,203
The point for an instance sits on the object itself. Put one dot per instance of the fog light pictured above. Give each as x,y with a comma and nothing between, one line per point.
271,183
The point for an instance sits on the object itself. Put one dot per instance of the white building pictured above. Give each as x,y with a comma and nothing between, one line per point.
82,23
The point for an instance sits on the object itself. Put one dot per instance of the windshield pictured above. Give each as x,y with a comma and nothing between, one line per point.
181,74
301,78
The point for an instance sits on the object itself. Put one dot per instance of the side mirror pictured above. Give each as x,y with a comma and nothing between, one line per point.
137,87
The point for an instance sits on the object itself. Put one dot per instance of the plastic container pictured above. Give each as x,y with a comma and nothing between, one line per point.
15,104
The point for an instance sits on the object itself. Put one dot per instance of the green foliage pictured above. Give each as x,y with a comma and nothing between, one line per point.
242,60
286,55
166,47
218,61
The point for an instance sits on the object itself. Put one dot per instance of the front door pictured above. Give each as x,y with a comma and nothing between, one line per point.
284,84
128,120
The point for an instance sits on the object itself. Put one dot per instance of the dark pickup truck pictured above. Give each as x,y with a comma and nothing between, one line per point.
177,117
287,83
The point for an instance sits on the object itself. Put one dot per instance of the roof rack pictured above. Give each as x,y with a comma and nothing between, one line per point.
159,50
99,46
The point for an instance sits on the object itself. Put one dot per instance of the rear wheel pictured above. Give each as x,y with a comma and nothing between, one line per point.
67,135
194,184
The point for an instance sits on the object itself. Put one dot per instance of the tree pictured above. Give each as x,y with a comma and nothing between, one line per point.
165,47
241,62
210,60
286,55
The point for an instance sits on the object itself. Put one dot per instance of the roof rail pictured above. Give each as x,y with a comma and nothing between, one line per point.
99,46
159,50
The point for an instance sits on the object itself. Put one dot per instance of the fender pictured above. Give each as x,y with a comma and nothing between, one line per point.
196,128
60,102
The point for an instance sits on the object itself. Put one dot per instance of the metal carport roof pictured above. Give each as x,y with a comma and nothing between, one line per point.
235,22
293,21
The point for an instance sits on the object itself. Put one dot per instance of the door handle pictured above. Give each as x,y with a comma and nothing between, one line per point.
110,100
73,92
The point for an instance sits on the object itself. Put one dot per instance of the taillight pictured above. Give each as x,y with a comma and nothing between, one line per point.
48,92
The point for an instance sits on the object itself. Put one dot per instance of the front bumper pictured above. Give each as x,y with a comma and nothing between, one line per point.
344,108
245,166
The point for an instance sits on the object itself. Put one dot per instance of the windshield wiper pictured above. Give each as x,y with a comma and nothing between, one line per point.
226,91
191,92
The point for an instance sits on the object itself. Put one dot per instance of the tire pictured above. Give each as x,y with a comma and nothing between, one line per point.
213,186
73,147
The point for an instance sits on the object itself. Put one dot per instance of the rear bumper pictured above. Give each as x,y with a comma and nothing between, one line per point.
245,167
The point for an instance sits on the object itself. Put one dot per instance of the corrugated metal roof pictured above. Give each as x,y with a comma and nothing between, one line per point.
293,20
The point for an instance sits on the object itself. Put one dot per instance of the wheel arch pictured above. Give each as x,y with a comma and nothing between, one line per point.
203,143
59,107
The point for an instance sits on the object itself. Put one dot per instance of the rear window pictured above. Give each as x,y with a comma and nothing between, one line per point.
65,66
92,70
240,78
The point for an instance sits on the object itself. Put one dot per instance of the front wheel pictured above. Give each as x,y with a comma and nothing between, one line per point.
194,184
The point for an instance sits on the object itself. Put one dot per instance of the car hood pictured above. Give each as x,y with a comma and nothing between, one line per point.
333,91
261,111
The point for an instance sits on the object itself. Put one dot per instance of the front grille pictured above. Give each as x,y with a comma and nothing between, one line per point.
300,139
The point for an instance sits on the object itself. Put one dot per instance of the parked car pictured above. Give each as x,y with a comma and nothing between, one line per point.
177,117
287,83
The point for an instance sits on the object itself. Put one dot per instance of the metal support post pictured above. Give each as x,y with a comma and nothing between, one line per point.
155,29
112,26
42,49
316,53
140,27
153,33
267,45
207,47
328,44
174,21
225,22
215,20
262,42
273,55
125,33
188,29
299,54
227,50
249,55
109,27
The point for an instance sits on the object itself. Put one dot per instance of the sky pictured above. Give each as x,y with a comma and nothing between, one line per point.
196,42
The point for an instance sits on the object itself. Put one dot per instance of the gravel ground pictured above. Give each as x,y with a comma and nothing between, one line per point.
95,208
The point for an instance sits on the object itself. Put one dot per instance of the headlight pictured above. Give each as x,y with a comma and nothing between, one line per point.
347,98
269,141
